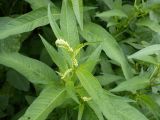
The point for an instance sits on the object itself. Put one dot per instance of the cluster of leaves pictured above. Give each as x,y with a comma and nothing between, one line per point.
80,59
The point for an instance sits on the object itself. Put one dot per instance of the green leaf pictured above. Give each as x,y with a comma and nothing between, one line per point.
151,105
150,50
34,70
93,32
54,25
49,99
78,11
68,24
91,104
96,109
112,109
111,13
35,4
117,4
93,59
148,59
108,78
10,44
106,66
56,57
80,112
71,90
17,81
150,24
26,22
135,83
109,3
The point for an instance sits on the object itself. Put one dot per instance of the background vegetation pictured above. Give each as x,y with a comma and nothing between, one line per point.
79,59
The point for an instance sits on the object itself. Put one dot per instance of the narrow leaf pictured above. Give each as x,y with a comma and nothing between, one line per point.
56,57
136,83
91,103
108,78
35,4
109,3
93,32
93,59
27,22
48,100
54,25
150,104
78,11
34,70
111,13
150,50
71,90
112,109
80,112
150,24
68,24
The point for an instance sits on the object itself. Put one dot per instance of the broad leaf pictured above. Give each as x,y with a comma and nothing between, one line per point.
48,100
27,22
112,109
34,70
78,11
93,32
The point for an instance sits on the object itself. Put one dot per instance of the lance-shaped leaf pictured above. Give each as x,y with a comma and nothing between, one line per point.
150,50
112,13
71,90
93,33
92,60
150,24
78,11
44,104
136,83
111,108
34,70
91,103
54,25
109,3
27,22
80,112
55,56
35,4
68,24
150,104
108,78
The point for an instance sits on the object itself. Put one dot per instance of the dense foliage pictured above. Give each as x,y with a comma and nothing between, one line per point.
79,59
